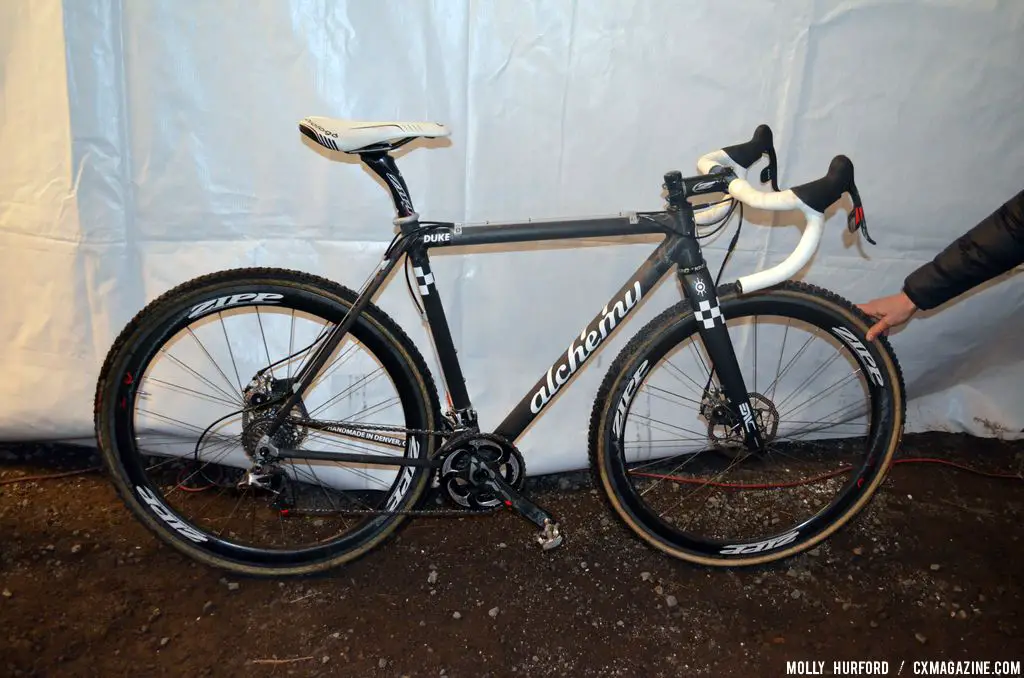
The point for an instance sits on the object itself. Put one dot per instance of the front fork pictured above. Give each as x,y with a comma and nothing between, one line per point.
699,288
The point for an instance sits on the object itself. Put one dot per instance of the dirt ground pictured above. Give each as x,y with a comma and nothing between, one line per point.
931,571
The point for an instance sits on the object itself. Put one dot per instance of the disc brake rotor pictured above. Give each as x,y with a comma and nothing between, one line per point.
725,429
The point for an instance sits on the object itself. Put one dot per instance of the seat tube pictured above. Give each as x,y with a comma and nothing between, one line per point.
383,164
441,334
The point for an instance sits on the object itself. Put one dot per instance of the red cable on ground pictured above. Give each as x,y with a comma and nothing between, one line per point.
962,467
825,476
25,479
693,481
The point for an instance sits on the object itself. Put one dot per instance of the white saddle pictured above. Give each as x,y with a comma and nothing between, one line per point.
353,135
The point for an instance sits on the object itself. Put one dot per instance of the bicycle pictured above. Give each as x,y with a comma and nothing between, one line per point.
344,485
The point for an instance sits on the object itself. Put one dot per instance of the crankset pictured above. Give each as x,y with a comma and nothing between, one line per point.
484,470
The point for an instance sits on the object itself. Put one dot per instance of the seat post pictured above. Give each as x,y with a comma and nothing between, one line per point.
384,166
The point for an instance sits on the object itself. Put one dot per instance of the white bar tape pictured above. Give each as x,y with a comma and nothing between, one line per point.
719,157
792,264
774,201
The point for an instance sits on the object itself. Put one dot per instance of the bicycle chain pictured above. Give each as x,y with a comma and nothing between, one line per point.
437,513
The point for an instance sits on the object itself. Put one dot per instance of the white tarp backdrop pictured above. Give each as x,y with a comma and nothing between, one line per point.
144,143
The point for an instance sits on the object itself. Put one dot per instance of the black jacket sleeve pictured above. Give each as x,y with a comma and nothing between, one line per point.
995,245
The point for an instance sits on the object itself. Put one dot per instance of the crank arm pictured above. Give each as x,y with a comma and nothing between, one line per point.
549,536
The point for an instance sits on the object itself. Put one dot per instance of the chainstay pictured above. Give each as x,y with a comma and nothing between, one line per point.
423,513
335,426
341,426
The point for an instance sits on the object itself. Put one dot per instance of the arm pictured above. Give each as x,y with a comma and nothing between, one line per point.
995,245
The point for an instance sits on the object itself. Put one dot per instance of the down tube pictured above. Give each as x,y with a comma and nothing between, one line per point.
586,344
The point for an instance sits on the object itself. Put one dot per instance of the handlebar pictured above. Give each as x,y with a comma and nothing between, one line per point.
749,152
730,166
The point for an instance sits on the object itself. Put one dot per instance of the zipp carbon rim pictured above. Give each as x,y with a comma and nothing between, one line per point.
824,310
129,359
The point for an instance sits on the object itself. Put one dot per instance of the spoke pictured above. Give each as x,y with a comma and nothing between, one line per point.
334,365
176,439
291,344
321,485
252,523
842,421
697,387
676,395
782,352
654,427
693,347
231,515
654,442
688,456
266,348
687,459
145,445
673,426
219,445
215,363
755,355
807,430
234,398
774,385
373,409
313,350
778,452
173,421
185,389
708,485
362,381
819,394
212,461
221,490
824,423
230,352
821,368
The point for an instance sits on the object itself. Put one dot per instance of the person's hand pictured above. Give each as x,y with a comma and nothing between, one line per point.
889,312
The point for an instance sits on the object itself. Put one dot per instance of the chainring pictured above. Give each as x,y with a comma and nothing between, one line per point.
469,490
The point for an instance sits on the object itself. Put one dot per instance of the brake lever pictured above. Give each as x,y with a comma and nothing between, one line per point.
856,219
771,171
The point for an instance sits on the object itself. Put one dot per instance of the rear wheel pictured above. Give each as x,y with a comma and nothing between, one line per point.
189,389
669,456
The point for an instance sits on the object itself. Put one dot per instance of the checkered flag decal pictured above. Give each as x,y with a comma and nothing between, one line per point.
708,314
425,280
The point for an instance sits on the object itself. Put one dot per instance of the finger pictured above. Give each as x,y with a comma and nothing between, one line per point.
881,327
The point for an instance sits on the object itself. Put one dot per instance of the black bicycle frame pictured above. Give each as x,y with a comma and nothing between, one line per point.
678,248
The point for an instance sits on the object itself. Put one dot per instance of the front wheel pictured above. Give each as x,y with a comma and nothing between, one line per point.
669,455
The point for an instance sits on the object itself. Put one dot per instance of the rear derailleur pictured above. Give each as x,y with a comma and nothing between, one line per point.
481,471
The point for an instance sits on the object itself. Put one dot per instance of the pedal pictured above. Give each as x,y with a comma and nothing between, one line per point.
549,537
